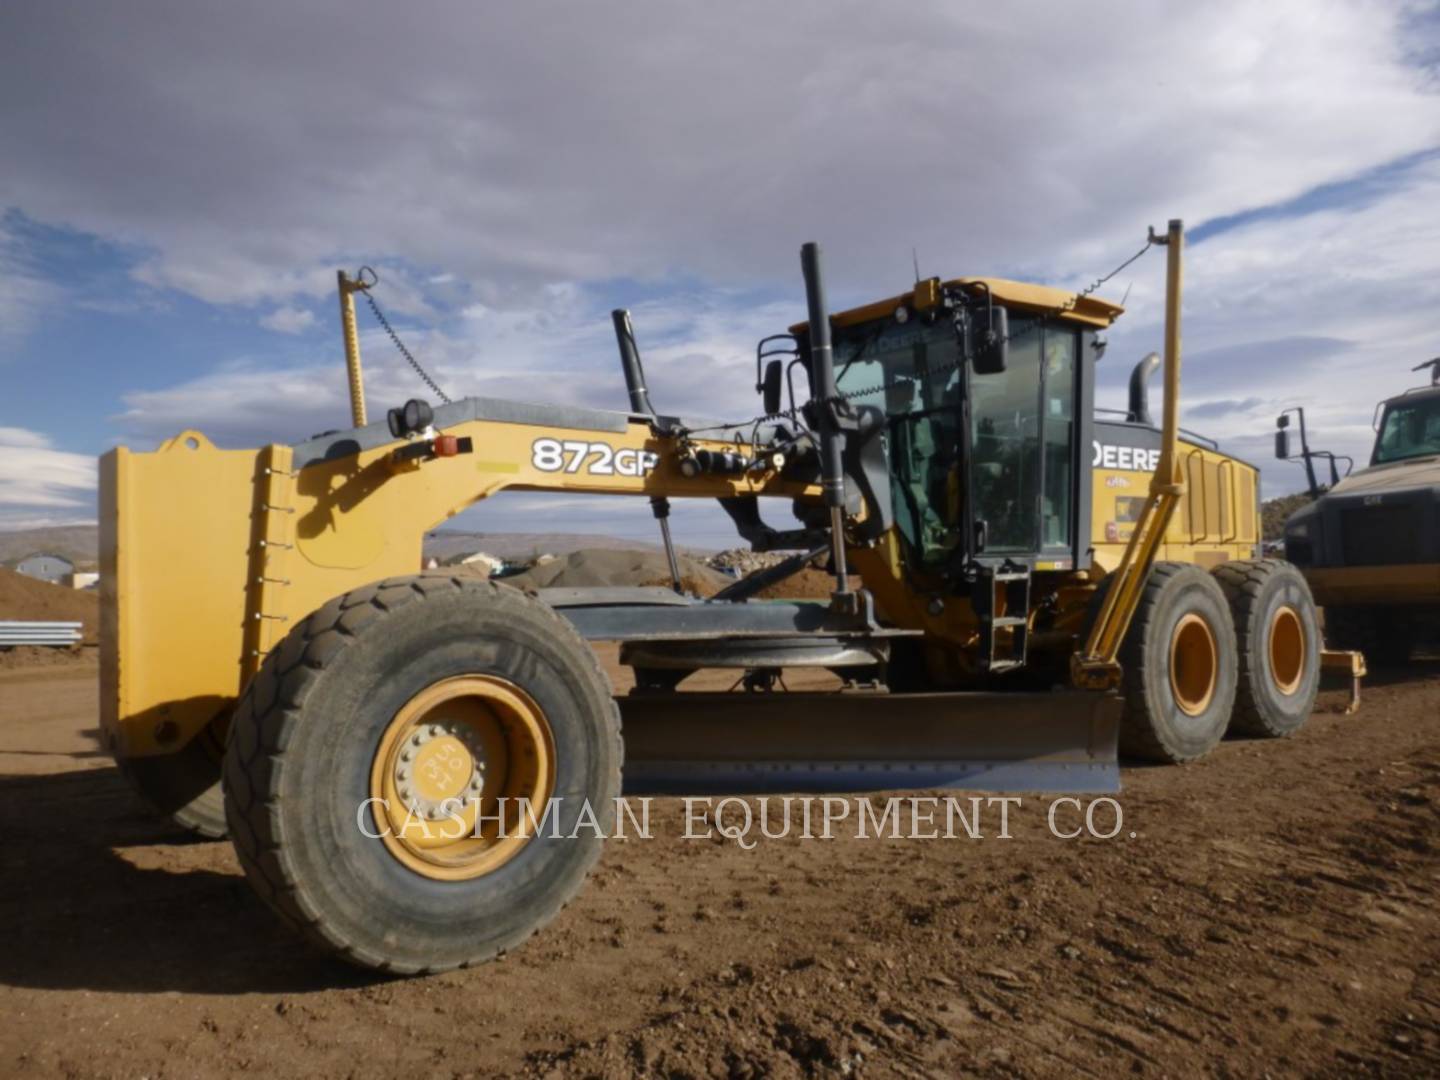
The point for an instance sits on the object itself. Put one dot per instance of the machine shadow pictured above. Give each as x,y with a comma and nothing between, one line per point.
91,904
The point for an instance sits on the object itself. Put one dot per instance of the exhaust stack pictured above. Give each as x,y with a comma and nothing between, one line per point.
1139,411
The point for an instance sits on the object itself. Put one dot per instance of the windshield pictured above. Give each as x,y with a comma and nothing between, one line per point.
909,370
1410,429
902,358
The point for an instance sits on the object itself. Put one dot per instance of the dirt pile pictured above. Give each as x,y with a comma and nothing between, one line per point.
598,568
811,583
24,598
743,561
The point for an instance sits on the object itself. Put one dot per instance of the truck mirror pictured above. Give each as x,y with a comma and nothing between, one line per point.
770,388
992,341
1282,444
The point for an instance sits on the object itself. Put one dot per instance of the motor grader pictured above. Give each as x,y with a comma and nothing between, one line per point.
1038,587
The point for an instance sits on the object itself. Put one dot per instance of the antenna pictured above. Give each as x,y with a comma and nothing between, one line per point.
915,258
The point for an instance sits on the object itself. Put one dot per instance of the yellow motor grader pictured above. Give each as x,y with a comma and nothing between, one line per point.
384,745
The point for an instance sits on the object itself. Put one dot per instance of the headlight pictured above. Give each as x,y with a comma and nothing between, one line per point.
1301,530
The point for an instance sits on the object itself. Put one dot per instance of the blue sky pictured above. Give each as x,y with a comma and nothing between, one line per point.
172,211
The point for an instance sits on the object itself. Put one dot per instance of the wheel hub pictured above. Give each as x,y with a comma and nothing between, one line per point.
1194,665
439,767
452,772
1287,650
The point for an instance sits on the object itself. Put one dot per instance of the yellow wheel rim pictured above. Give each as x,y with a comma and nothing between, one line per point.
1194,665
450,774
1287,649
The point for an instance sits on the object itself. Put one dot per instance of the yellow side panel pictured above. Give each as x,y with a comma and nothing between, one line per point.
175,532
1215,522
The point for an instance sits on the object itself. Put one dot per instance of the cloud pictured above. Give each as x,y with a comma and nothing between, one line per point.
26,296
1225,407
20,438
248,161
1327,309
43,485
289,320
515,178
698,349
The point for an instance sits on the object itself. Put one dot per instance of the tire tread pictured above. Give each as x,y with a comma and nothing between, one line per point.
270,707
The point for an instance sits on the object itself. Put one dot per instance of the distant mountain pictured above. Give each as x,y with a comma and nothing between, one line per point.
1275,512
81,543
78,543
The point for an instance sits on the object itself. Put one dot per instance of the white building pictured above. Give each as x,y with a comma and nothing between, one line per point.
53,568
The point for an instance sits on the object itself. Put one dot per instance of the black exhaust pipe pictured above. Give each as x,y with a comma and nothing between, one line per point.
630,363
822,382
1139,411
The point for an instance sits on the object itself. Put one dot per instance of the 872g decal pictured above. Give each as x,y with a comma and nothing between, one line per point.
595,458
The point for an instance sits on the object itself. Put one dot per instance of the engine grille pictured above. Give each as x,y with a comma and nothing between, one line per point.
1379,535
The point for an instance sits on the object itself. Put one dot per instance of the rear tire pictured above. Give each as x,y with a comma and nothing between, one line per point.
185,785
1179,667
316,730
1277,634
1382,634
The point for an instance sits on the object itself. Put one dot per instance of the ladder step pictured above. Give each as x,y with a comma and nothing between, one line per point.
1009,620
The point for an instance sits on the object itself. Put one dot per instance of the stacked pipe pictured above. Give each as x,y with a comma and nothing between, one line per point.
38,633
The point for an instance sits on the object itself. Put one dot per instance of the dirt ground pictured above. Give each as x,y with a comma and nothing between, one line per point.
1269,911
22,597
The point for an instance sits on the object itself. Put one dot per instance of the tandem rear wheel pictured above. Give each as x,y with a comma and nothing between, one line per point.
1277,632
1179,663
378,761
1235,650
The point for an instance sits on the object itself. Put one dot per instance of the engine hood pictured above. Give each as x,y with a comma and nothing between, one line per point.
1396,476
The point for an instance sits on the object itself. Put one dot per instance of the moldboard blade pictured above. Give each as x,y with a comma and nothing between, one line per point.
713,744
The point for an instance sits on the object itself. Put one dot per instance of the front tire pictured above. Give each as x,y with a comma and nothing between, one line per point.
1277,633
1179,667
381,718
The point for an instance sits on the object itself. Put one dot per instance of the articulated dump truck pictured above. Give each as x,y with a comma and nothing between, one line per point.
1041,589
1369,545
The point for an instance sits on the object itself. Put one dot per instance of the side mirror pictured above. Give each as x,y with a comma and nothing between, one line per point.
992,340
1282,445
770,387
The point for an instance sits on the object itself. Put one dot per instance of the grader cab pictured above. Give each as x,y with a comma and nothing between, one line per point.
403,759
